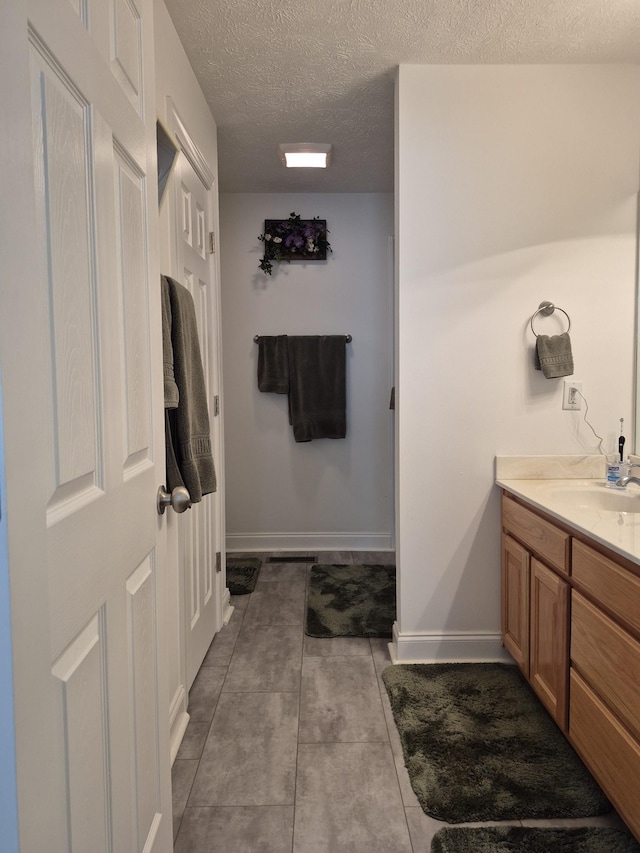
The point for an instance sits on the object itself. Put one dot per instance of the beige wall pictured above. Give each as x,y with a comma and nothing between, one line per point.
323,494
515,184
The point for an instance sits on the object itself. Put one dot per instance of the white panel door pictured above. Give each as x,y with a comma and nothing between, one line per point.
92,676
198,529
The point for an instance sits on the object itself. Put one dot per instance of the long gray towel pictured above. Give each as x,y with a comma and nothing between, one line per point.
189,459
554,356
317,386
171,395
273,364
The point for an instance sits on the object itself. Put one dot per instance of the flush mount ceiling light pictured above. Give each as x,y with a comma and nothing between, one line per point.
310,155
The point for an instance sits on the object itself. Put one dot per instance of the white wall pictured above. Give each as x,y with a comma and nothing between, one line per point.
175,80
515,184
325,493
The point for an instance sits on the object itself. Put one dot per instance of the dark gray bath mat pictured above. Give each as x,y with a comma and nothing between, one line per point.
522,839
242,574
479,746
351,601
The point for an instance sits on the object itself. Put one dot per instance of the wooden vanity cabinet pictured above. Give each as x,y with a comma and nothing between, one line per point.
571,621
604,698
535,603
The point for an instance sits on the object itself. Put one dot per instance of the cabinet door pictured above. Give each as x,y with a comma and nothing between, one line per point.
515,601
549,652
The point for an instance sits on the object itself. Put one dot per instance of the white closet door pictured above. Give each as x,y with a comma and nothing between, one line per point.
92,676
198,529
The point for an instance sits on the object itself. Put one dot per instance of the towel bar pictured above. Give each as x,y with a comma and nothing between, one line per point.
547,309
347,338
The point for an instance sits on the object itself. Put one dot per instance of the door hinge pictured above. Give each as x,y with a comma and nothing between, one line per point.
212,242
218,562
216,406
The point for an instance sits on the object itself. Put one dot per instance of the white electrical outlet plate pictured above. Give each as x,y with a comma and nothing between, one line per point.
570,398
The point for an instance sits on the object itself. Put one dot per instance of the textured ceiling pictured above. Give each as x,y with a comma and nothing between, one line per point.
322,70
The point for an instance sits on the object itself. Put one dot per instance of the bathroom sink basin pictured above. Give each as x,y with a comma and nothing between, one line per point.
598,497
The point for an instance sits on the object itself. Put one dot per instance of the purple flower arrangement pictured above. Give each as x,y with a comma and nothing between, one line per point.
293,239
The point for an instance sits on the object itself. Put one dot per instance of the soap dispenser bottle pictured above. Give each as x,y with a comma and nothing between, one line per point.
616,466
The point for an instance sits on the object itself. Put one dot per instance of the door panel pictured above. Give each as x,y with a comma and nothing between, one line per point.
101,430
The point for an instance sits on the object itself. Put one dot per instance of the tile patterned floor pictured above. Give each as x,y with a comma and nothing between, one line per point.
291,746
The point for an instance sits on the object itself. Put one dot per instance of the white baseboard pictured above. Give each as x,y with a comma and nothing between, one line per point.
309,542
177,733
447,648
227,607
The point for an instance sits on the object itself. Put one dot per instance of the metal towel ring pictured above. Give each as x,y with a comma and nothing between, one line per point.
546,309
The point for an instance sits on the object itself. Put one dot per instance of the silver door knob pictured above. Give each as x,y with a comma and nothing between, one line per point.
179,499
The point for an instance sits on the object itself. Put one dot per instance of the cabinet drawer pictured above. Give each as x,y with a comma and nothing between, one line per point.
608,658
607,749
540,536
613,586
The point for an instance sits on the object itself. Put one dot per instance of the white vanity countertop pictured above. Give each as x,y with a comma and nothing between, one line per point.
576,501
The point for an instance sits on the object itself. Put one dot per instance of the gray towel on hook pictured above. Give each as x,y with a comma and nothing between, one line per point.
273,364
171,395
554,356
189,459
317,386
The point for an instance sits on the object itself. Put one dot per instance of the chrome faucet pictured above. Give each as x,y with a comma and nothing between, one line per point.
624,481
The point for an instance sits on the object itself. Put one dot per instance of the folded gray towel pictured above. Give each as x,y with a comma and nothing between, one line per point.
317,386
554,356
273,365
171,395
189,459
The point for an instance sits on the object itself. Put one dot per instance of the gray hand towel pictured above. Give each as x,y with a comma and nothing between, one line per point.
273,365
554,355
317,386
189,459
171,395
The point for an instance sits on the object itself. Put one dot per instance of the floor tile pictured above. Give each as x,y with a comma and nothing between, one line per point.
276,604
347,800
422,828
336,646
221,649
239,602
334,558
204,692
182,776
380,652
266,658
249,757
374,558
239,829
193,740
340,701
283,572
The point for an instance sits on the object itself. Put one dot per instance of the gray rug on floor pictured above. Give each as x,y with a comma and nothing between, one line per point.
242,574
521,839
479,746
351,601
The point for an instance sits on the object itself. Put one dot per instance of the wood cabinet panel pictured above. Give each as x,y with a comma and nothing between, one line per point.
614,586
608,658
541,537
607,749
515,601
549,640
